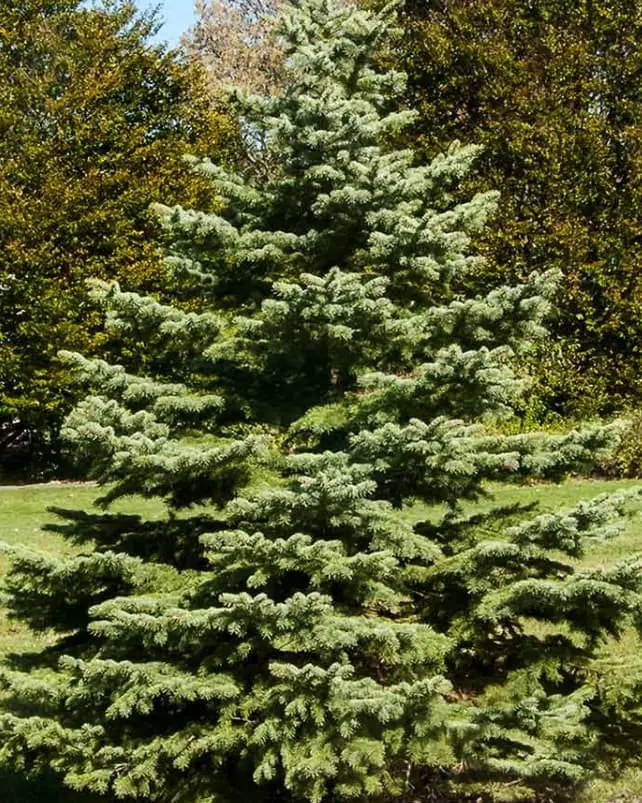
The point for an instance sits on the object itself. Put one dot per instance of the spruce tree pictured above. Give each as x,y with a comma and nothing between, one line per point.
292,628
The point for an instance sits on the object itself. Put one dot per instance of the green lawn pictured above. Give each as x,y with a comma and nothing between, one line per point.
24,511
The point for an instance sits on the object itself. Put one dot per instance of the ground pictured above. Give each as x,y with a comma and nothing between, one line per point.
23,512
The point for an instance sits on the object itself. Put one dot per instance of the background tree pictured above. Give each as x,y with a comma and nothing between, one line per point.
290,630
552,91
94,123
236,44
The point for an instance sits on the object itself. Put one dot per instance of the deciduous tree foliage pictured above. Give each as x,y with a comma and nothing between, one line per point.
552,90
235,43
94,122
290,631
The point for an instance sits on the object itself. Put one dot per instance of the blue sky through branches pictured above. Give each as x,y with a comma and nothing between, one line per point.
177,15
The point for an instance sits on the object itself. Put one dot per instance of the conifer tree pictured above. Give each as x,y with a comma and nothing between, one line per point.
289,630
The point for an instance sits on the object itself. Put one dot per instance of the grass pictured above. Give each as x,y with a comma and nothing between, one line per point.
23,512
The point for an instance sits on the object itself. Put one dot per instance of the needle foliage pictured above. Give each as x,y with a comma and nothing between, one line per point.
287,632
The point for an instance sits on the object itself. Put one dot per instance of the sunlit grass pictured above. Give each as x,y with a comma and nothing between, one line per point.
23,516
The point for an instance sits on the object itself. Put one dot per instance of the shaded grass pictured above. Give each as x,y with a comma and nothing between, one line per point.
23,513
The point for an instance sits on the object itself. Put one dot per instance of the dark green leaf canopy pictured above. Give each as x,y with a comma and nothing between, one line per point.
94,124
